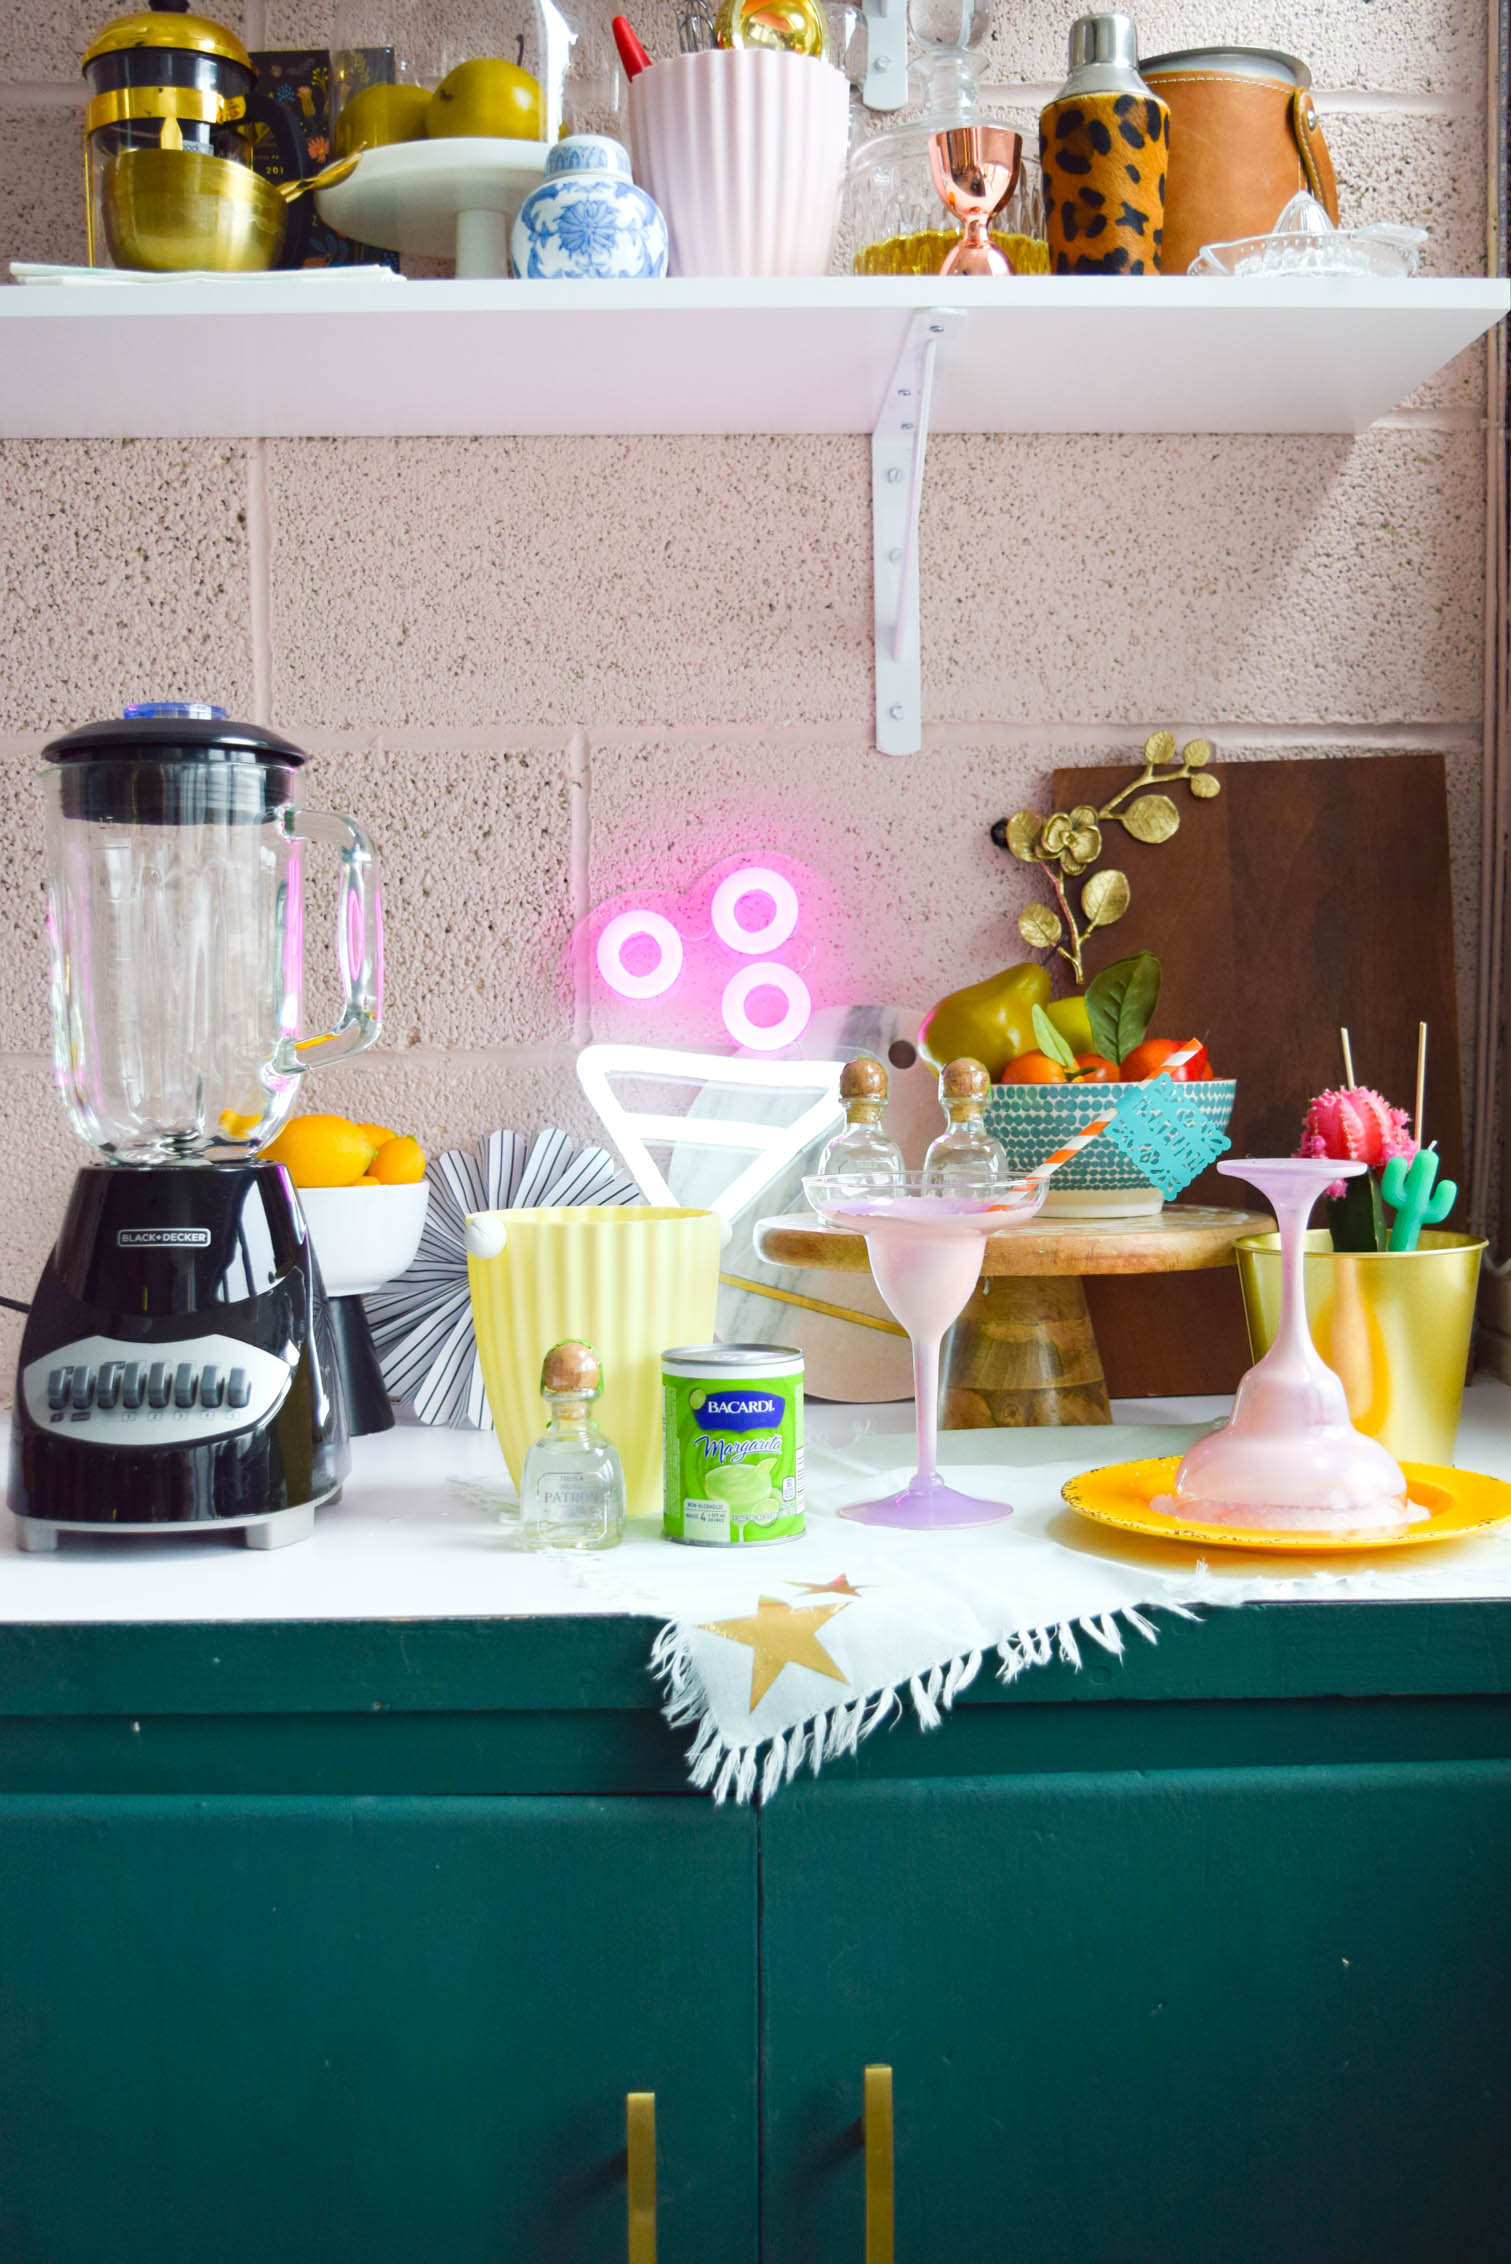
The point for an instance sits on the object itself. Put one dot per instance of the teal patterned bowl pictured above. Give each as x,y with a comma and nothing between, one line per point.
1032,1121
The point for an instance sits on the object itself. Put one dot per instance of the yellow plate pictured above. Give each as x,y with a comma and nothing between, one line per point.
1461,1501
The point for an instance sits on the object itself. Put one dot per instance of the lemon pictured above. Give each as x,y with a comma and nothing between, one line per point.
398,1163
378,115
488,97
378,1135
322,1151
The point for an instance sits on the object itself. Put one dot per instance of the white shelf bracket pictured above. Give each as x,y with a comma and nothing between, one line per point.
886,82
897,453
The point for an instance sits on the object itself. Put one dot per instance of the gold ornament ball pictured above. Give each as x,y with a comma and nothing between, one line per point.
797,26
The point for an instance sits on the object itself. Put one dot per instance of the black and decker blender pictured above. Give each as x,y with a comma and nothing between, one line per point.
176,1369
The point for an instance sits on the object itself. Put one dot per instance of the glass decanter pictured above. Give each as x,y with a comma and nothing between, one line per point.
964,1159
862,1150
571,1490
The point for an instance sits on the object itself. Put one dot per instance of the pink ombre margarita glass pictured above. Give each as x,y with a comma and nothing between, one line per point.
925,1253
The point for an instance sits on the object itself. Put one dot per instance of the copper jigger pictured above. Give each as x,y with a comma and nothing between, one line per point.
975,171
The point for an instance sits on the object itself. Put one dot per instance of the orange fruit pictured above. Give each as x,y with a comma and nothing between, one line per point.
1033,1069
1096,1069
1148,1060
399,1163
378,1135
322,1151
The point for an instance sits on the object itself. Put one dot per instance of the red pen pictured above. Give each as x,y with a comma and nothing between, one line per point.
631,54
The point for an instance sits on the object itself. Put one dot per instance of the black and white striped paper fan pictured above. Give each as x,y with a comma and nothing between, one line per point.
422,1323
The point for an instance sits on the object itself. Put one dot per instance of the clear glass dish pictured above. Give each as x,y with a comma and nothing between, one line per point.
408,43
1305,242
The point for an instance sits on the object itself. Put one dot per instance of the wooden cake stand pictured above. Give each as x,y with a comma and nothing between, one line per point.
1023,1350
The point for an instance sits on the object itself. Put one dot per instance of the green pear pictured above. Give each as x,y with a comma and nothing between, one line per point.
993,1021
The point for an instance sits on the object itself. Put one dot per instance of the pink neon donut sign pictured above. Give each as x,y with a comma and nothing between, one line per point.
755,888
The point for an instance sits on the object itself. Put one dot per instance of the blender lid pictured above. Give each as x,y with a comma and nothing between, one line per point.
173,735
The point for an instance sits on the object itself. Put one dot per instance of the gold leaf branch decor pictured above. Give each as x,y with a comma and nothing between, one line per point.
1067,843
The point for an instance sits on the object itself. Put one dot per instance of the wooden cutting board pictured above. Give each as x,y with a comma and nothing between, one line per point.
1307,894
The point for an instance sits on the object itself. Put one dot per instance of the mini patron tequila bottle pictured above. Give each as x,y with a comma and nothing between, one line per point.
862,1148
571,1491
965,1158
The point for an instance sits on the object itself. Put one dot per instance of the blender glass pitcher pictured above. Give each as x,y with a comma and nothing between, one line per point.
176,927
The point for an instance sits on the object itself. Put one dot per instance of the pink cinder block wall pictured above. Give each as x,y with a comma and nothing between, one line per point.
542,671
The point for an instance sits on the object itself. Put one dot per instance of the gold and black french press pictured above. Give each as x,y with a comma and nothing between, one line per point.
169,132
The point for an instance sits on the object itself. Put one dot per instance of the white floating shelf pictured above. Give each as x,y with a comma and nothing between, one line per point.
333,354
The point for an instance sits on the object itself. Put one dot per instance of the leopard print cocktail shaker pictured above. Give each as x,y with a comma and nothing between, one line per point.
1104,145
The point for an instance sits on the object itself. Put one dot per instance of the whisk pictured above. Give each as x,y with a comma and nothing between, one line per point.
695,27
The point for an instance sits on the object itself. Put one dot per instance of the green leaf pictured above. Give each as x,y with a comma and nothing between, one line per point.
1356,1218
1121,1002
1051,1041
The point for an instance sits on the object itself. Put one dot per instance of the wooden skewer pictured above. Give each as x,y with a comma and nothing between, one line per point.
1416,1127
1348,1057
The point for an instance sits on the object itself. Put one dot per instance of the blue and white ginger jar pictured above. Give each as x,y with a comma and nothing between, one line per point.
587,218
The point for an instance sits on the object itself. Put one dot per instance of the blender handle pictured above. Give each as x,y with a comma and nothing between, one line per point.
359,935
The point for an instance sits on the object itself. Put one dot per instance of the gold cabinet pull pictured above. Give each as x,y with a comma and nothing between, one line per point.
878,2129
640,2153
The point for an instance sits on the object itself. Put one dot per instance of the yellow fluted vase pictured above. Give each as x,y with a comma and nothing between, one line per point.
1393,1325
631,1281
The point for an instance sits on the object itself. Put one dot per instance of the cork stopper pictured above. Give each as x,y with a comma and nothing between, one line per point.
863,1079
964,1080
571,1366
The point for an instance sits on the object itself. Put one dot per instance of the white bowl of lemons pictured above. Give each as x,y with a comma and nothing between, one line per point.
363,1193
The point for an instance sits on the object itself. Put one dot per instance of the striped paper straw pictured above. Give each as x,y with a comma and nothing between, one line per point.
1099,1124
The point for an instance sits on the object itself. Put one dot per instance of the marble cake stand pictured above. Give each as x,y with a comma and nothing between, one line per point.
1023,1350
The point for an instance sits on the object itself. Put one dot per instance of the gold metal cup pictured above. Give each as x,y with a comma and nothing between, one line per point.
1393,1325
168,211
171,210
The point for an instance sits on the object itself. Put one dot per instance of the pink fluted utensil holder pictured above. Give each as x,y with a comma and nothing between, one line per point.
744,150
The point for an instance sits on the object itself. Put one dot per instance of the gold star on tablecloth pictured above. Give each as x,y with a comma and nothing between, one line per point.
780,1635
838,1586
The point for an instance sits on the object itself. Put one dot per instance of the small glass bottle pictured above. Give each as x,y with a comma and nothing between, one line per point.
965,1158
862,1149
571,1492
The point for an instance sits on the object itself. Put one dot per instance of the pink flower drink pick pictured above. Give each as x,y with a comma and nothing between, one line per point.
1288,1459
1357,1125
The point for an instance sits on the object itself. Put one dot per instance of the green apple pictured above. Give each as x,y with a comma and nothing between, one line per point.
487,97
379,115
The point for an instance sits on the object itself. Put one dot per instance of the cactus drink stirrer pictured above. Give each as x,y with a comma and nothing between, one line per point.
1408,1185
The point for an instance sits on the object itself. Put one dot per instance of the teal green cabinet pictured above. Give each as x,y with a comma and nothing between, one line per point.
343,1944
1228,2017
321,2030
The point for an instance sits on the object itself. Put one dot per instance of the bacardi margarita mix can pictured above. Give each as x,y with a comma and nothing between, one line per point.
734,1443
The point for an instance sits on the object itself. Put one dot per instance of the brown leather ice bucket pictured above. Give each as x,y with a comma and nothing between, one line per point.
1244,137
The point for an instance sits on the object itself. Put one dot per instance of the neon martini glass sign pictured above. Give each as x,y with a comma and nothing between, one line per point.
656,972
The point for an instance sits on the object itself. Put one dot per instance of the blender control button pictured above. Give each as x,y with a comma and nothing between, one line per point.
81,1391
185,1385
212,1387
157,1385
110,1384
239,1389
58,1380
131,1385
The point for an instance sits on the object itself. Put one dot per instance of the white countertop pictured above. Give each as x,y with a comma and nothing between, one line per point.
407,1543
